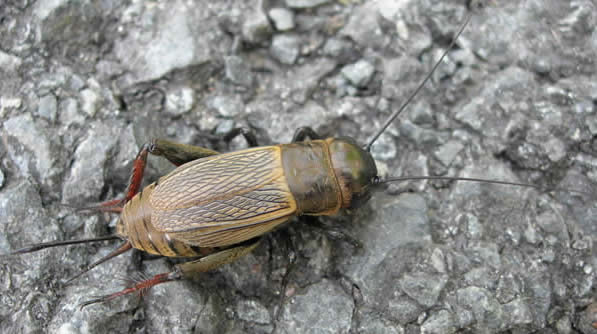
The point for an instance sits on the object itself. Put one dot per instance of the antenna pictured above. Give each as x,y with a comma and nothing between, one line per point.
471,179
416,91
36,247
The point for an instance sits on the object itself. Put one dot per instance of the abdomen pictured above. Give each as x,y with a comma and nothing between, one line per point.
138,229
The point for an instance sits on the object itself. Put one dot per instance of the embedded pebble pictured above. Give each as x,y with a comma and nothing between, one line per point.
180,101
90,102
359,73
285,48
302,315
283,18
48,107
238,71
256,28
254,311
226,106
305,3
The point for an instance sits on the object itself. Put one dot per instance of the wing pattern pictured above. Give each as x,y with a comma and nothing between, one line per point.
214,198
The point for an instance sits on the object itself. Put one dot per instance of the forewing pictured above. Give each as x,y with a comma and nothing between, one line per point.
223,199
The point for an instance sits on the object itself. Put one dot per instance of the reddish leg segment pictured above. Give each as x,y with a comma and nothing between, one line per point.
135,180
137,288
176,153
184,270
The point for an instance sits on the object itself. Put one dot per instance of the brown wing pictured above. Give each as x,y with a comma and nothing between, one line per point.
224,199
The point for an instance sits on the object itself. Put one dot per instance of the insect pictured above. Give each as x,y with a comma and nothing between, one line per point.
216,206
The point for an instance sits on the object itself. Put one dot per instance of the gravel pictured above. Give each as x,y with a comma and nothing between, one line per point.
84,85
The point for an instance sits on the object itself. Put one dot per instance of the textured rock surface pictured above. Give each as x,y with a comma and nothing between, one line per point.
85,84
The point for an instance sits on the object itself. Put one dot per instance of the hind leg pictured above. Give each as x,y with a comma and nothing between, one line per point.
176,153
184,270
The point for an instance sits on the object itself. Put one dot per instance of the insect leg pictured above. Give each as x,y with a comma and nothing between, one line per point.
116,205
123,248
177,153
212,261
248,134
303,132
184,270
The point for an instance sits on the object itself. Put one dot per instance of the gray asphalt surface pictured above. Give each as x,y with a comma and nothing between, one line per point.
85,83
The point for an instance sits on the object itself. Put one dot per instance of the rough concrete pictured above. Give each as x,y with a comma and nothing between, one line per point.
85,83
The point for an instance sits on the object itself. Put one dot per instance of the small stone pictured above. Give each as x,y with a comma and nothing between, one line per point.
307,77
422,113
305,3
285,48
76,82
518,313
253,311
83,183
40,157
226,106
256,28
474,229
564,326
9,63
338,48
423,287
438,260
180,101
592,124
487,310
69,112
9,103
481,277
224,127
373,324
90,102
486,253
237,71
384,148
359,73
581,243
168,39
311,312
283,18
463,317
530,234
403,309
508,288
448,152
25,220
364,29
397,71
48,107
441,322
556,149
445,69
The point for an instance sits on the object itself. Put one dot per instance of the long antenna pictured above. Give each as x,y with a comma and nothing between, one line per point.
416,91
472,179
36,247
